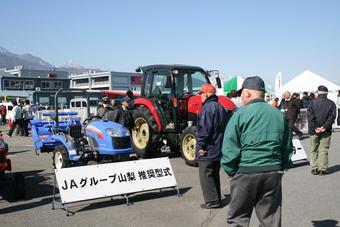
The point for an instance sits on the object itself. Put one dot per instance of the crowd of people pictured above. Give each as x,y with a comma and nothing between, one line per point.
122,114
22,113
290,104
254,147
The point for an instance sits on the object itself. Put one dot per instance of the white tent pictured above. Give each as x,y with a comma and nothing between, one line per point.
306,81
309,82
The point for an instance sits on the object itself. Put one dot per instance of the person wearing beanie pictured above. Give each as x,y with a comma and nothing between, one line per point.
212,121
321,114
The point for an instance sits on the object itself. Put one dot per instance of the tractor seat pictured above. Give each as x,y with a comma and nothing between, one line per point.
75,131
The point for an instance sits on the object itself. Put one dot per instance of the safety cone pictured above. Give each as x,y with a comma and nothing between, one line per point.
9,123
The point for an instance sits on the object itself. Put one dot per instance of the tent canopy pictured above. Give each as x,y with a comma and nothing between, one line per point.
307,81
269,91
234,83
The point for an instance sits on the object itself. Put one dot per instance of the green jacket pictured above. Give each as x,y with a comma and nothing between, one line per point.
256,139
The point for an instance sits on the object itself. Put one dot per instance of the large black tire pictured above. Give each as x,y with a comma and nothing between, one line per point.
60,157
188,145
19,190
145,137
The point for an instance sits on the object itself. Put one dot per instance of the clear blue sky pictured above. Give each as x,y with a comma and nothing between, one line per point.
236,37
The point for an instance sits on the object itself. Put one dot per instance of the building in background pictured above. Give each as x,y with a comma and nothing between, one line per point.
38,86
116,81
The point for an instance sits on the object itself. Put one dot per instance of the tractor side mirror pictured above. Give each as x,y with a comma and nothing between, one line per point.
214,73
138,70
218,82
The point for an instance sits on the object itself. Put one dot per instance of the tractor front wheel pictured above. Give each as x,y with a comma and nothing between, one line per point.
145,136
188,145
60,158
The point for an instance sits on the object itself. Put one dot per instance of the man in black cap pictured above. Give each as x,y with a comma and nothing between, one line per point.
321,114
257,147
123,114
105,112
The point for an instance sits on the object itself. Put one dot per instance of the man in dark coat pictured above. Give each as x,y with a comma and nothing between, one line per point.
213,119
123,114
292,109
305,100
105,111
321,114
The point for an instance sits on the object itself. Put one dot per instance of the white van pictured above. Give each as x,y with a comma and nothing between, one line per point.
80,105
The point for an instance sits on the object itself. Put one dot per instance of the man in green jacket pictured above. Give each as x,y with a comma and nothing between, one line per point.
257,147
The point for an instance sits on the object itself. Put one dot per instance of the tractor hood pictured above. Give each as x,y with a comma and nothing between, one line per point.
195,103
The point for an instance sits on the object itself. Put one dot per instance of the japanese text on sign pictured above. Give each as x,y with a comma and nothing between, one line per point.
78,183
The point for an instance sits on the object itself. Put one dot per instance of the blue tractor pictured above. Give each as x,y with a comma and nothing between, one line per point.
91,142
43,129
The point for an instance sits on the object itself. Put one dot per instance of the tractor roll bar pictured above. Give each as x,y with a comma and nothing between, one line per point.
84,91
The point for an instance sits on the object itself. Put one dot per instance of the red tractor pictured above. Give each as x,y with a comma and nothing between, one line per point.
167,110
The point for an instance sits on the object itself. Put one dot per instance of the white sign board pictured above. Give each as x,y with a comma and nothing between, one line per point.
104,180
299,153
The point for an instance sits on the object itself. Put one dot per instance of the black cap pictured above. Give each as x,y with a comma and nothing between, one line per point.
105,100
254,83
125,99
322,88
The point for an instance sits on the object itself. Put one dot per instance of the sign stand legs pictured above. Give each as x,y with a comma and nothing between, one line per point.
58,202
178,193
127,199
177,190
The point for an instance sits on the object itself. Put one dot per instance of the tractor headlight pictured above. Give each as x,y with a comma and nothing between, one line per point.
113,132
126,132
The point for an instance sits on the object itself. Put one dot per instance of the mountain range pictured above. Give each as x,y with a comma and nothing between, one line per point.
10,60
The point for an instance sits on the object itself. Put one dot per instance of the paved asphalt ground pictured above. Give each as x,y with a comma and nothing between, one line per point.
308,200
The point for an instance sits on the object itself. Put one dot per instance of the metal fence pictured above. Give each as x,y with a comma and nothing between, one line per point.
302,122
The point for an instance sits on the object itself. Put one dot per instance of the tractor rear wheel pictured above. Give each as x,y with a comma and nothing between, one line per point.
145,137
188,145
60,157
